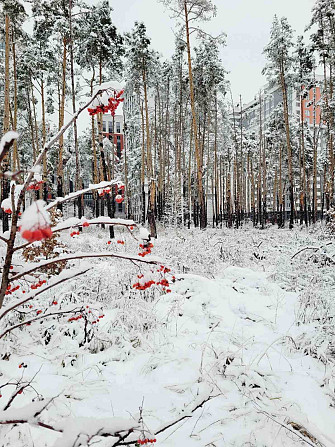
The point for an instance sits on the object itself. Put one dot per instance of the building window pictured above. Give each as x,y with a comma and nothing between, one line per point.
118,146
118,127
104,126
110,126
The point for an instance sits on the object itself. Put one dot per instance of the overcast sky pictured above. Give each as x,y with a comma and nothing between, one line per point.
247,24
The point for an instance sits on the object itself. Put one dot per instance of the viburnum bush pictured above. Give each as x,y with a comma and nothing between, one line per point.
35,263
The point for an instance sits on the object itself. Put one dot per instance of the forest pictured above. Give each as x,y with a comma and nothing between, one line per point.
167,249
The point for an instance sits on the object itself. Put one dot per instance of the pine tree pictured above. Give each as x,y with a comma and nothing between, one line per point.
278,70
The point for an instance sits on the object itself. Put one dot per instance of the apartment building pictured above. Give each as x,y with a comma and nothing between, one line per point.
305,104
113,129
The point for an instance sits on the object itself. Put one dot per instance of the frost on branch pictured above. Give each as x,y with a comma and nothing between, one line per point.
35,223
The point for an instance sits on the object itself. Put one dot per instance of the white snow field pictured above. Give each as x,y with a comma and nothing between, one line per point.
240,353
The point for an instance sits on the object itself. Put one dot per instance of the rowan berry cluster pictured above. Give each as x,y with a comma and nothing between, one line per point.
113,103
78,317
37,235
6,206
119,198
103,192
146,285
35,186
11,290
146,249
75,233
86,224
120,242
144,441
38,284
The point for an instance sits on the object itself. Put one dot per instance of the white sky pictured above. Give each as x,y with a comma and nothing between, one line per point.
247,24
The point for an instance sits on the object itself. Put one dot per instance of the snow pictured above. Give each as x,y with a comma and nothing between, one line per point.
7,137
73,195
227,332
74,222
112,85
144,234
34,217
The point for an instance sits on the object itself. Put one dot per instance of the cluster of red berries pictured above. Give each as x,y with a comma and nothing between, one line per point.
75,318
119,198
75,233
144,286
145,441
163,282
120,242
35,186
10,290
38,312
7,211
37,235
78,317
164,269
146,249
117,188
86,224
38,284
55,303
99,318
113,103
104,192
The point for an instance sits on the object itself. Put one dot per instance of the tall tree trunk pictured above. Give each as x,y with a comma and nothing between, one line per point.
78,185
6,120
198,158
288,141
60,173
150,167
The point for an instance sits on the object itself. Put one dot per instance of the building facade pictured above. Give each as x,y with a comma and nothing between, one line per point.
302,105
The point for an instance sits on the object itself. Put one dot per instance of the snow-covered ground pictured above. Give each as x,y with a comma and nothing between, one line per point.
240,353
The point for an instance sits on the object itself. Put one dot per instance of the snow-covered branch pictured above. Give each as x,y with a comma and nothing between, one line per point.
32,320
74,195
64,276
33,267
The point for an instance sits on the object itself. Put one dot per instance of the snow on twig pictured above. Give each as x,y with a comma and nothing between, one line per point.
76,194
